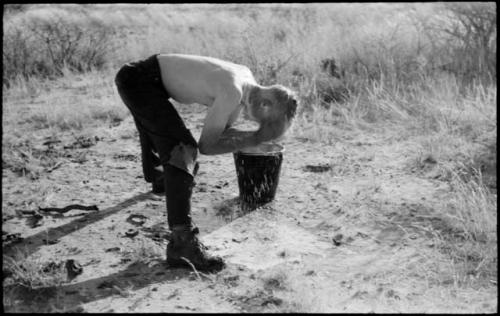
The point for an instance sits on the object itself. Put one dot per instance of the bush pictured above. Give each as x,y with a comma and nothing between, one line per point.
466,35
43,45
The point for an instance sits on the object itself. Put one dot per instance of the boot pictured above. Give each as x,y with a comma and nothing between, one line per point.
184,243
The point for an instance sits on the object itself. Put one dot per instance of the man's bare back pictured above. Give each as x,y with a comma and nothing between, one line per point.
199,79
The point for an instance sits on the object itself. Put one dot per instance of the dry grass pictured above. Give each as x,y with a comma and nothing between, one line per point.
74,102
473,211
34,285
33,273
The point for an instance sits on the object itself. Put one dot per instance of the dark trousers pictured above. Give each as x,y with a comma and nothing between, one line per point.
164,138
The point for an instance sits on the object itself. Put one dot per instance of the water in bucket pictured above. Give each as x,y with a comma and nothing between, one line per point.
258,171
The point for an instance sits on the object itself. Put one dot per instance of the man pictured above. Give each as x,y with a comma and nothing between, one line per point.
169,151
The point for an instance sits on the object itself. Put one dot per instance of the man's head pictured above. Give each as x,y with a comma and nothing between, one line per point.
273,107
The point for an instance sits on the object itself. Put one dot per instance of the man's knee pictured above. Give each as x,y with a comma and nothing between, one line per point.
183,156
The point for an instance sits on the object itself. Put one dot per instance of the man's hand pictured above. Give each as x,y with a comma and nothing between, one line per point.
231,132
270,131
231,140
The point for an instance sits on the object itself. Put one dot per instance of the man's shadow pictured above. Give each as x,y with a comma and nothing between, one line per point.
32,243
137,275
69,297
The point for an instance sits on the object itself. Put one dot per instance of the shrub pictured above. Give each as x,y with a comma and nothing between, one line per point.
43,44
465,35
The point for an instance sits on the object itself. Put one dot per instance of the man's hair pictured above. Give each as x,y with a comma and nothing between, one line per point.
285,101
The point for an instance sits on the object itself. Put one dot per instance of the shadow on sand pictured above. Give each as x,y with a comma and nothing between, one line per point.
69,297
31,244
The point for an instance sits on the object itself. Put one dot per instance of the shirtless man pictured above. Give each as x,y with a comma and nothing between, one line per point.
168,148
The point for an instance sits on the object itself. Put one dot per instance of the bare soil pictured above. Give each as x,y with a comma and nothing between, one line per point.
350,230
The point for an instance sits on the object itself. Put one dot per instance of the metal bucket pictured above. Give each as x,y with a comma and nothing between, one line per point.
258,171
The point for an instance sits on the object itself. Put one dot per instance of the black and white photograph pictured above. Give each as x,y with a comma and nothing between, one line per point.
330,157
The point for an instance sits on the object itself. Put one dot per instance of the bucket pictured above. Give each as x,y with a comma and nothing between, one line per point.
258,171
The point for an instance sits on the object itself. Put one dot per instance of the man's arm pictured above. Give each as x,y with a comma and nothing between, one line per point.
215,139
232,141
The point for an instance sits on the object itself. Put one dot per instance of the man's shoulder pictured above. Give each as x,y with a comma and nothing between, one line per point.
229,86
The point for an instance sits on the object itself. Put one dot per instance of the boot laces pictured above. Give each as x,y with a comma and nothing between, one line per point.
195,242
195,231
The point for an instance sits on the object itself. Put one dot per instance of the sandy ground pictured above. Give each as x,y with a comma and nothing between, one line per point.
346,232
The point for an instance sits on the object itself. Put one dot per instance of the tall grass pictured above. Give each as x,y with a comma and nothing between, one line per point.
396,42
470,241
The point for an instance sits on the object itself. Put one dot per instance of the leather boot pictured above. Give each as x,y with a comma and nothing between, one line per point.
184,244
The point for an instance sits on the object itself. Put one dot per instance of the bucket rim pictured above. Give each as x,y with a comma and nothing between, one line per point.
269,153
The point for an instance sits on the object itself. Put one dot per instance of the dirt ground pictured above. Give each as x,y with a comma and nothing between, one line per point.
346,232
